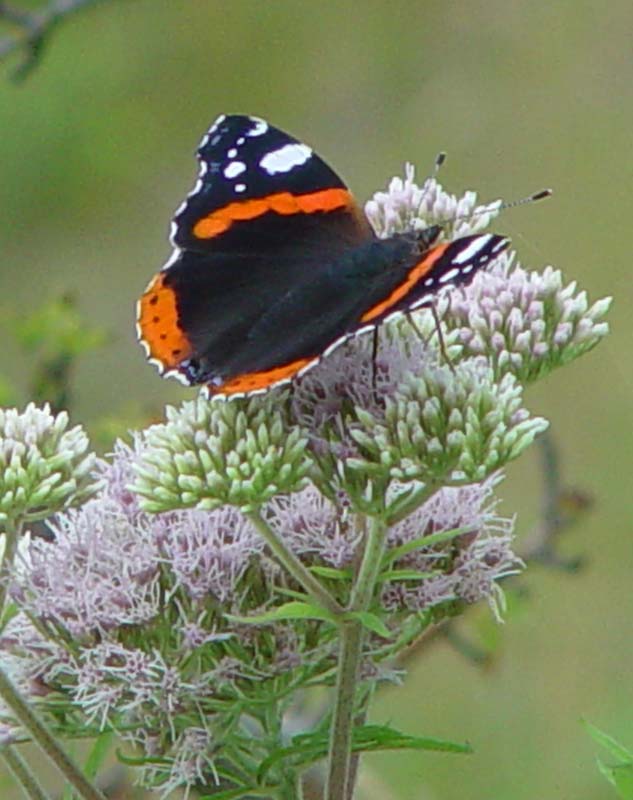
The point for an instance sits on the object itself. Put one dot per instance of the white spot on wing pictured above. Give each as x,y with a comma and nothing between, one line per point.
240,187
424,299
173,230
286,158
259,128
234,169
448,276
473,248
500,245
218,121
158,364
172,258
232,152
177,376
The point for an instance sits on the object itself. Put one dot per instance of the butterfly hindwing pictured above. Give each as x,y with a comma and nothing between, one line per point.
360,289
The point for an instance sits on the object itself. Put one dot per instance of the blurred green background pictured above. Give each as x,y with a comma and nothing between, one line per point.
96,151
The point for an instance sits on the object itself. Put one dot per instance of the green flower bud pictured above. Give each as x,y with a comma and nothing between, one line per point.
44,467
209,454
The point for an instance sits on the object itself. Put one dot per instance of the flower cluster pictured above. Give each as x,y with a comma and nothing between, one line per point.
144,599
405,206
525,323
209,455
156,609
44,467
465,568
146,604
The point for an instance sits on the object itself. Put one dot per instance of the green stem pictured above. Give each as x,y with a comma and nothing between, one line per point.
341,770
12,533
359,720
43,737
22,773
291,789
294,566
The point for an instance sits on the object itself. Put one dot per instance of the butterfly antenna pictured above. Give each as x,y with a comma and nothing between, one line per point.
440,158
489,207
532,198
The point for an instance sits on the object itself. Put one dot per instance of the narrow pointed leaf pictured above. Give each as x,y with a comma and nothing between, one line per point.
371,622
309,748
293,610
609,743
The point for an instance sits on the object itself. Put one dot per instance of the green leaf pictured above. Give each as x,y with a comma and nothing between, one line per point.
293,610
371,622
97,754
609,743
623,777
606,772
332,573
423,541
383,737
10,611
57,327
308,748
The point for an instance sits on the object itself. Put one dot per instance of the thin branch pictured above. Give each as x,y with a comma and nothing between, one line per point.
22,773
294,566
34,30
342,767
561,505
46,741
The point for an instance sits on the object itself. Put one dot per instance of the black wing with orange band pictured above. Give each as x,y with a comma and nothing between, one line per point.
265,214
274,263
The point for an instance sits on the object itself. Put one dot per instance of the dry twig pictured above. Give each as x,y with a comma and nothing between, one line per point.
34,29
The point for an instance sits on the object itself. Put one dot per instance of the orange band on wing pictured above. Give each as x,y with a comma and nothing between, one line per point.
281,203
252,381
419,271
158,324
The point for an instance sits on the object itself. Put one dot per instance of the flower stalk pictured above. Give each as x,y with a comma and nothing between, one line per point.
351,647
22,773
12,534
294,566
46,741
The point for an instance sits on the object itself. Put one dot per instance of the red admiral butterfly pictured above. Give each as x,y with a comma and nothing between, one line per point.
274,265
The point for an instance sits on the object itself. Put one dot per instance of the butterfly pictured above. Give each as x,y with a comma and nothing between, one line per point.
275,264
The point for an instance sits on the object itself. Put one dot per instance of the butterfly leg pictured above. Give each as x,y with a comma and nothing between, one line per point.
374,356
440,337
